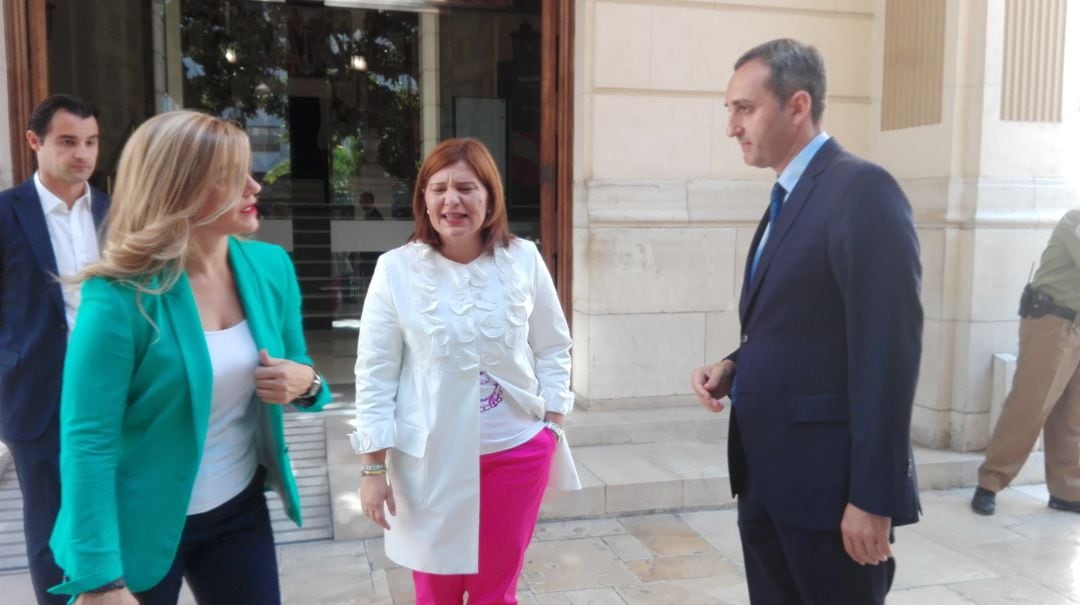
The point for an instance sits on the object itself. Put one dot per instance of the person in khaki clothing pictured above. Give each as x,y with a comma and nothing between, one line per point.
1046,387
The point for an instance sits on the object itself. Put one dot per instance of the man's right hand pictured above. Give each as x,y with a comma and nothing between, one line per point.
712,383
120,596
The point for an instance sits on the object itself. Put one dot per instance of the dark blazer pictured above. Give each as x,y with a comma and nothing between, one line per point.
831,338
33,327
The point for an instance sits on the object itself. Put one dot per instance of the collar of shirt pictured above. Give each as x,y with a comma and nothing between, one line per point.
50,203
789,178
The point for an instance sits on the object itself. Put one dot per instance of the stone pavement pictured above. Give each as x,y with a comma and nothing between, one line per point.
1027,553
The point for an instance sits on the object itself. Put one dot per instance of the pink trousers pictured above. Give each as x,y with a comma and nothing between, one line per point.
512,484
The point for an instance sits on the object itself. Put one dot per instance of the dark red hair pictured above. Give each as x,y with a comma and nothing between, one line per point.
496,229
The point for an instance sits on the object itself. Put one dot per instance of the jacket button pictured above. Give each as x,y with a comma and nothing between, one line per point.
745,338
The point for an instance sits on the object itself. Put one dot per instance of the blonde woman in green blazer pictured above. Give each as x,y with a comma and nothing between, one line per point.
187,344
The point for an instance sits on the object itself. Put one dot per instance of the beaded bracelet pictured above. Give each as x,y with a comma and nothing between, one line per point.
368,470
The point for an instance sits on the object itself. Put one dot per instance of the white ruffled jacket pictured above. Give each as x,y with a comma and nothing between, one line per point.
429,327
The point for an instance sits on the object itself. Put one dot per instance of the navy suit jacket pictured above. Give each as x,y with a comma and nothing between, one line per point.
33,325
831,338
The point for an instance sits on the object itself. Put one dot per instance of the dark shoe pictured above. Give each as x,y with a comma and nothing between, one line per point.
1058,503
983,501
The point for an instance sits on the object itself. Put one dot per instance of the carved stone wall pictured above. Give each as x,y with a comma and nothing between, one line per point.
914,63
1033,70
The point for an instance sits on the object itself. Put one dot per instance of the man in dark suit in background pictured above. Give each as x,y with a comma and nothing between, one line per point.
823,382
48,228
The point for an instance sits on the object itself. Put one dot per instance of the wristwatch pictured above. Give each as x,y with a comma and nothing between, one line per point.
308,399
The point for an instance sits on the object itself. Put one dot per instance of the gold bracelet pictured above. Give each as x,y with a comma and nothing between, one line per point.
372,473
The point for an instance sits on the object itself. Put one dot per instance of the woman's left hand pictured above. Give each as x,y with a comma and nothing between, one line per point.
281,380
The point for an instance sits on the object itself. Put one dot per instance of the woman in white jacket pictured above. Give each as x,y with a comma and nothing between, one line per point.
462,383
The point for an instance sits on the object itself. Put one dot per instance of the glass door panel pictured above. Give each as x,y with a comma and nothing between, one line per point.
341,101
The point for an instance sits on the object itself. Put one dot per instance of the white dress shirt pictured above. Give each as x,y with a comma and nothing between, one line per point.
74,240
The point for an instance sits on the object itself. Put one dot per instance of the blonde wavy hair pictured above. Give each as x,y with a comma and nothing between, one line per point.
168,170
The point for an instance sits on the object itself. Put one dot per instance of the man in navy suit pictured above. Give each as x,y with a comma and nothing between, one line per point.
823,381
48,228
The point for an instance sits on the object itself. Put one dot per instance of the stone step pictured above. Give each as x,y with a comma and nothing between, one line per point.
632,478
635,403
681,475
644,477
645,425
609,426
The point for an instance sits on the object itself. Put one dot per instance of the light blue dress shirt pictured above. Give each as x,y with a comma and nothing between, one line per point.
789,178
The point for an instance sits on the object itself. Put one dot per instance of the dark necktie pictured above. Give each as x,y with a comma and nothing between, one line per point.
776,204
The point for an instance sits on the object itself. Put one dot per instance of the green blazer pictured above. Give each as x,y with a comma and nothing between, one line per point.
134,413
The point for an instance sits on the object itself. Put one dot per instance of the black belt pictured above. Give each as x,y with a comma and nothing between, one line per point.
1035,303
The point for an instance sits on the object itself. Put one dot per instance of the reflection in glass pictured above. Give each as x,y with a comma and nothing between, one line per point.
339,103
339,117
330,98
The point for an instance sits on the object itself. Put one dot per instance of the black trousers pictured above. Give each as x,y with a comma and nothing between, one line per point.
227,555
37,464
792,565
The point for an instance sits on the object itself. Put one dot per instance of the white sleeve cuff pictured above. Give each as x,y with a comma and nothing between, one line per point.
373,439
560,403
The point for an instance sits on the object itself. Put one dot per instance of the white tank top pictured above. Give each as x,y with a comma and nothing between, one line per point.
229,459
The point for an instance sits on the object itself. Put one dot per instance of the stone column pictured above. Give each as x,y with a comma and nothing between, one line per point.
429,82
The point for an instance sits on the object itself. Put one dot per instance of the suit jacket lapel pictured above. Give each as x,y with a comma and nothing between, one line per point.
99,204
251,298
179,303
249,289
31,218
792,208
744,299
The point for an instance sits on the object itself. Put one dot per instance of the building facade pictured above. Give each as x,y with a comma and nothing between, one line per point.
610,121
973,106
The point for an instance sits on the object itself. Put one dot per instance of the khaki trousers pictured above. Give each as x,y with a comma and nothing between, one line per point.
1045,394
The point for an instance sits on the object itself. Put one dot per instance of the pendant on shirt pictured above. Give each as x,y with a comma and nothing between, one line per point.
493,398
